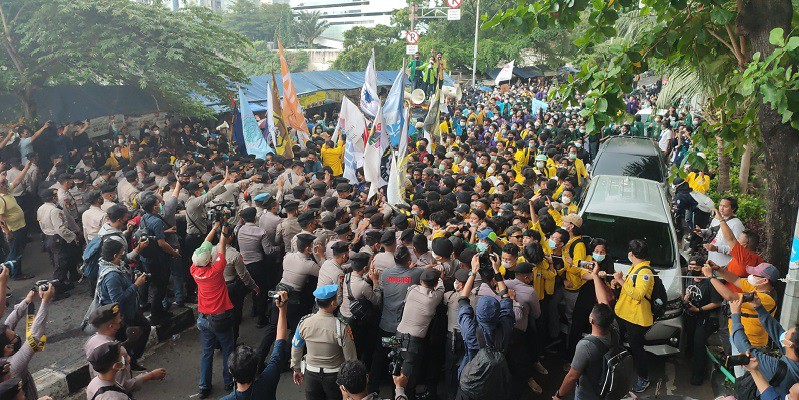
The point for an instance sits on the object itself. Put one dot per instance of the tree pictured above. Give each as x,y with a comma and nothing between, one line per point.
176,55
751,34
265,61
261,22
309,26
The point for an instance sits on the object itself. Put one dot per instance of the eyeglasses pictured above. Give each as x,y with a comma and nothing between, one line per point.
516,236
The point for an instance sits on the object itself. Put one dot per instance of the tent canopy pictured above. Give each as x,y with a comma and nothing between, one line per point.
519,72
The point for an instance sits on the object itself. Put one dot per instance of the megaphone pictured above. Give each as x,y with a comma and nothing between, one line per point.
417,96
223,126
448,91
458,93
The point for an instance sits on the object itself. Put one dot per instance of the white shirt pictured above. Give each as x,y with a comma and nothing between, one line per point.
665,137
93,219
722,257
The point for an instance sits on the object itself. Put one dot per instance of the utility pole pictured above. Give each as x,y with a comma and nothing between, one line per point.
476,32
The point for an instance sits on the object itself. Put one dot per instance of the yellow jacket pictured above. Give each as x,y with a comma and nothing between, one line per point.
700,184
582,173
334,158
633,305
574,273
544,279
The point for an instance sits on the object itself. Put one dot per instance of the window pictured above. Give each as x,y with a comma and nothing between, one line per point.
619,231
620,164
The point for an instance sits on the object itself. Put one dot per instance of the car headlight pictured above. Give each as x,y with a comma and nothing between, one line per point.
673,309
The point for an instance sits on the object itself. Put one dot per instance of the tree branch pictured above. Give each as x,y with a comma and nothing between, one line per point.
720,39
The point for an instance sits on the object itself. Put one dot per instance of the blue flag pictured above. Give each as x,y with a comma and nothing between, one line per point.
253,137
238,133
393,116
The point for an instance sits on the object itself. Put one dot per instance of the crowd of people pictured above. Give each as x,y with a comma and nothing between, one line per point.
459,293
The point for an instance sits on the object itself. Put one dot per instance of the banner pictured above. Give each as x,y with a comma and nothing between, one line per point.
254,140
393,115
313,100
377,157
432,122
505,74
283,143
369,100
352,125
350,165
292,112
238,132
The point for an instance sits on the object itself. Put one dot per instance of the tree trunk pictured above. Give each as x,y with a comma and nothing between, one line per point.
28,105
756,19
723,174
746,162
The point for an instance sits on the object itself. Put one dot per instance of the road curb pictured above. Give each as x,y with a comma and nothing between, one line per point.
59,382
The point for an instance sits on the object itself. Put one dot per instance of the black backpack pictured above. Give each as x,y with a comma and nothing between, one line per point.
359,308
487,375
616,378
659,297
746,389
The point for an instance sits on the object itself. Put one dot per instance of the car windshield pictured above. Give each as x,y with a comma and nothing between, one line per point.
619,231
620,164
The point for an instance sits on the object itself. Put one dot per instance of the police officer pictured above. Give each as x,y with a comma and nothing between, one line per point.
523,337
344,190
386,259
361,284
332,270
289,227
329,343
325,234
420,308
61,240
307,222
127,189
268,220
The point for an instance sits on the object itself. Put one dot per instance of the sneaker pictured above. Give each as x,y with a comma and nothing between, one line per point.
540,368
136,367
534,386
204,393
640,385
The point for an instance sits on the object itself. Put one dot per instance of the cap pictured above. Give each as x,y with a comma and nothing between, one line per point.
47,194
765,270
315,203
342,229
215,178
339,247
319,186
430,275
343,187
540,157
291,205
484,234
462,208
360,259
306,217
108,189
330,202
466,256
400,221
196,185
506,207
128,175
104,356
462,275
407,235
327,217
104,314
523,268
442,247
573,219
325,292
372,237
389,237
355,205
304,239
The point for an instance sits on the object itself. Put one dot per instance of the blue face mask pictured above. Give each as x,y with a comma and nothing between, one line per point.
482,247
598,257
551,243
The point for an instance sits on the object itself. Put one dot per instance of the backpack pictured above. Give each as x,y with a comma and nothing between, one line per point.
746,389
616,378
359,308
91,255
659,297
151,251
112,388
487,375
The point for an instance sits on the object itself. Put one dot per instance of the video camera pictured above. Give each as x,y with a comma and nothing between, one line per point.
486,269
218,211
43,285
395,344
137,274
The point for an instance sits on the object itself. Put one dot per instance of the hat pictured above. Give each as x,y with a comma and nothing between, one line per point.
108,189
506,207
355,205
315,203
430,275
304,240
400,221
327,217
319,186
104,314
462,208
487,311
466,256
573,219
330,202
540,157
485,234
47,194
407,235
339,247
325,292
291,205
389,237
342,229
765,270
194,186
372,237
442,247
80,176
306,217
343,187
202,256
360,259
523,268
128,175
104,356
215,178
263,198
462,275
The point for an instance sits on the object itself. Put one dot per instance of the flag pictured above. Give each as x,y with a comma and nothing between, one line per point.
505,74
377,157
238,132
369,100
292,112
432,122
393,115
270,127
284,142
254,140
403,143
350,165
351,126
393,190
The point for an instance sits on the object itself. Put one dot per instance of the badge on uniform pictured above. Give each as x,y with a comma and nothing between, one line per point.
297,341
646,277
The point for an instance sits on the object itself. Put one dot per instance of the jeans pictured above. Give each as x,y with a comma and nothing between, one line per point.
698,329
16,247
159,267
209,339
178,280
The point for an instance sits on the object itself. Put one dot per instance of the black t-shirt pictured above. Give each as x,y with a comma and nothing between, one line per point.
702,293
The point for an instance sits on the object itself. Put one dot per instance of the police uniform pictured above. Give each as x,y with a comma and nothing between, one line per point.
267,221
100,316
357,287
61,233
287,229
103,357
196,227
303,219
329,343
126,191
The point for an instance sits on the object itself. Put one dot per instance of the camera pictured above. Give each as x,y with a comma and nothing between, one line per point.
42,285
137,274
218,211
395,344
486,269
736,361
274,294
747,297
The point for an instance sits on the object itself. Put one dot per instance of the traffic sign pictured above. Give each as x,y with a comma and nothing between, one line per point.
454,14
454,3
412,37
411,49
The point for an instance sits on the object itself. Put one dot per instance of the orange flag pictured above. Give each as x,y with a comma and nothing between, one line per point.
292,113
284,142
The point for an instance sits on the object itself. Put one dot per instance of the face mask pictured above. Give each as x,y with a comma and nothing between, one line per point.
506,265
539,164
572,156
462,124
695,123
118,154
578,145
414,213
566,200
755,280
441,168
537,124
490,170
598,257
482,247
465,170
783,341
303,159
551,243
160,208
630,258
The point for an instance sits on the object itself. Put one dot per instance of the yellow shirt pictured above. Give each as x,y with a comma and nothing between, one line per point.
334,158
574,273
544,279
556,216
700,184
521,158
444,127
582,173
11,211
633,305
757,336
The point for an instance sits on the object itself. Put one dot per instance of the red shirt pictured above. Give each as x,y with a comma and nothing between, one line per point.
741,258
212,297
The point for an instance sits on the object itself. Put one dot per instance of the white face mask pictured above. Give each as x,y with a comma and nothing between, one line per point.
755,280
303,159
490,170
566,200
414,212
506,264
539,164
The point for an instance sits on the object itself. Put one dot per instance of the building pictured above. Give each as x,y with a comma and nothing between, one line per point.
219,5
345,14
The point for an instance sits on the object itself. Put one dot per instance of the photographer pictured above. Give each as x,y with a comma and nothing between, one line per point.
238,280
701,301
156,259
353,380
17,350
116,286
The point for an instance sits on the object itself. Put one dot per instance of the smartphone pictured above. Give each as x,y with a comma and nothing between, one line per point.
736,360
747,297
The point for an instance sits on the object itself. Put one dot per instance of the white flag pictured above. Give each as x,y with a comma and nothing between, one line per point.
393,190
505,74
377,157
369,100
270,116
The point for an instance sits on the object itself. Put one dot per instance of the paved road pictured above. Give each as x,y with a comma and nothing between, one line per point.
181,357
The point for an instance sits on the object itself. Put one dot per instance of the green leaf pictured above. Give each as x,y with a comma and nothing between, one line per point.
777,37
609,31
602,105
590,125
720,16
679,4
793,43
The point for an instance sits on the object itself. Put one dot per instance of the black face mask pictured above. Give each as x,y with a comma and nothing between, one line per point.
694,273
